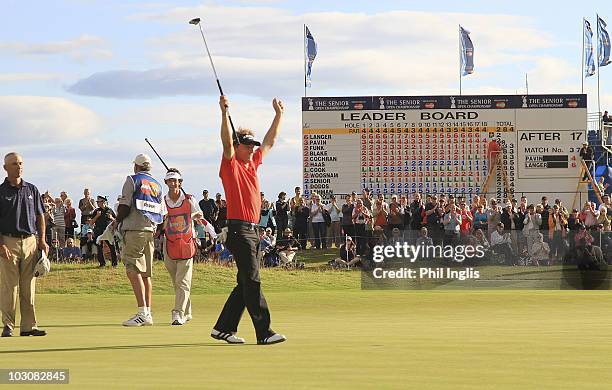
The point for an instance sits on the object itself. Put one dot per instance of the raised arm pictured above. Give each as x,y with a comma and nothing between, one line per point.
226,133
272,133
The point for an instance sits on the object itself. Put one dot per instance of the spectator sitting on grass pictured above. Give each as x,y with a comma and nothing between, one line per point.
539,251
396,236
88,242
589,257
266,249
501,243
55,252
481,239
286,247
71,252
348,254
86,226
378,236
424,239
271,237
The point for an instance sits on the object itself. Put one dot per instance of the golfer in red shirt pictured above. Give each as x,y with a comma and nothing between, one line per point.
238,174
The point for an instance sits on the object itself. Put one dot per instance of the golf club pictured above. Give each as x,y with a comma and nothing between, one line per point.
162,161
196,22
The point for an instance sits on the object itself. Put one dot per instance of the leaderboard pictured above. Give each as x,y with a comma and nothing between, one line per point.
441,144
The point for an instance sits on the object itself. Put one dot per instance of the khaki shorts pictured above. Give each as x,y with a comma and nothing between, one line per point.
137,253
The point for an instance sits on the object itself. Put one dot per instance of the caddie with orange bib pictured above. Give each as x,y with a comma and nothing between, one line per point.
179,235
179,243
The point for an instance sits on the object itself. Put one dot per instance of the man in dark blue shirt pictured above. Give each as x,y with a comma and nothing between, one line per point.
21,213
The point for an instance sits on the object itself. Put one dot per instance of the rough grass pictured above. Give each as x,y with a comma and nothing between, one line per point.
207,278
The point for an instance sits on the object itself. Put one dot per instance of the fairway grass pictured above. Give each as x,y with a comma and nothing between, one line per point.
336,339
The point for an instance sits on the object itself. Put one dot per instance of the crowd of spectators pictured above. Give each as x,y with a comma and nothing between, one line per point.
517,230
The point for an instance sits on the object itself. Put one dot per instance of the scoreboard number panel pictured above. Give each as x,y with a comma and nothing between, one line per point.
440,144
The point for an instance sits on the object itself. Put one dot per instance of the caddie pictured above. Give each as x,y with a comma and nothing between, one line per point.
179,242
141,209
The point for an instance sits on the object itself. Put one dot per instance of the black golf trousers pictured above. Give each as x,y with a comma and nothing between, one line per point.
243,243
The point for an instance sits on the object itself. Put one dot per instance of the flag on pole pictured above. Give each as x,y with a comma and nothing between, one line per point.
311,53
589,60
603,52
467,52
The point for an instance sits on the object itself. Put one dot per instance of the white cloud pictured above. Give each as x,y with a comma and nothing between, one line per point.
258,52
37,119
102,165
12,77
80,48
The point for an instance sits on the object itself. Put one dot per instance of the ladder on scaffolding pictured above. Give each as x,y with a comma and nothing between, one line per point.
497,165
587,178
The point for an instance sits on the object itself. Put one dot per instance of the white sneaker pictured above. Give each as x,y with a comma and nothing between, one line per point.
274,339
227,337
148,320
188,317
137,320
177,319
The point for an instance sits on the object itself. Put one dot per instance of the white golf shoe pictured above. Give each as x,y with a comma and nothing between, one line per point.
148,320
177,319
274,339
136,320
230,338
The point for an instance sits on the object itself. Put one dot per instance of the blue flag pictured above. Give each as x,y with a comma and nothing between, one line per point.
589,60
467,52
603,48
311,53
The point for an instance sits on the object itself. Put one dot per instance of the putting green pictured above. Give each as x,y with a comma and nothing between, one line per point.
336,339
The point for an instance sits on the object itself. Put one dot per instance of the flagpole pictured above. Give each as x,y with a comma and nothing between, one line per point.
460,60
526,85
598,66
305,94
582,66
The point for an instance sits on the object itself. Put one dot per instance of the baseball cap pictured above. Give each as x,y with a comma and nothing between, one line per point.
142,159
248,139
89,231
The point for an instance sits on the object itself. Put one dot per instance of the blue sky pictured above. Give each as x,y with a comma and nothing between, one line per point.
83,82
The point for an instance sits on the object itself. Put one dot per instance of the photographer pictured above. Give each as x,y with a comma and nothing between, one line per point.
502,243
287,247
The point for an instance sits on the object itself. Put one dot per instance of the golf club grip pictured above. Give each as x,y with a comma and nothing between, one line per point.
219,85
234,136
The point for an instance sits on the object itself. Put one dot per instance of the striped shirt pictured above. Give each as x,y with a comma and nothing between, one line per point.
58,216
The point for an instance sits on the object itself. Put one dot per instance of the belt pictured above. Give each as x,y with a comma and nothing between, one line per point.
238,222
17,235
